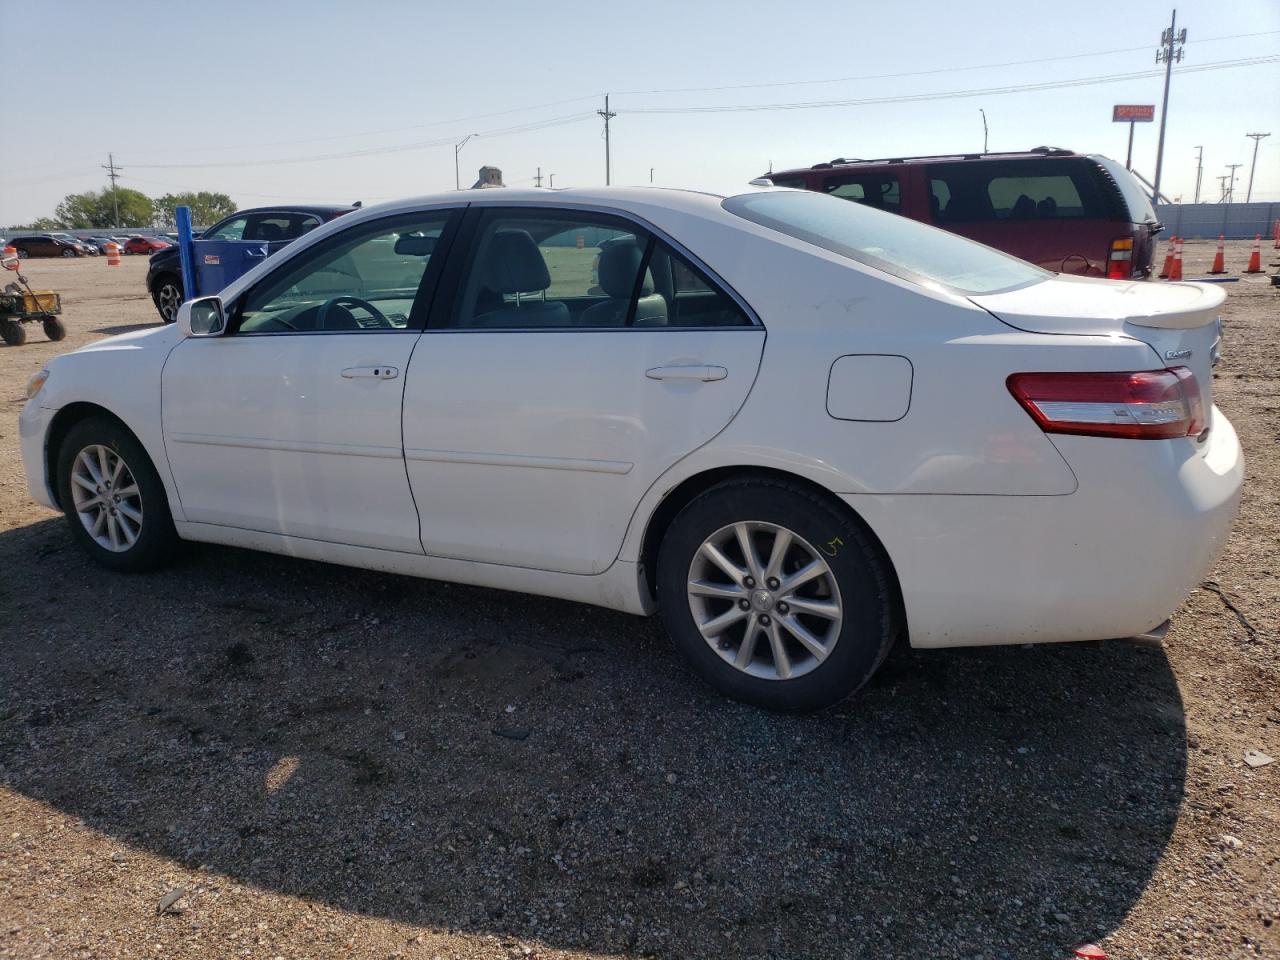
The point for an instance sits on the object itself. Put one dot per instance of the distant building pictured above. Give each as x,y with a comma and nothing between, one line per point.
489,177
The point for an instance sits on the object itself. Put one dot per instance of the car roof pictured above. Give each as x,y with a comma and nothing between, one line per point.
297,208
1035,153
634,199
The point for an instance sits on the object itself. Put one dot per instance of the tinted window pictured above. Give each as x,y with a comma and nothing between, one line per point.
1135,195
991,191
879,190
797,182
689,297
896,245
269,227
366,278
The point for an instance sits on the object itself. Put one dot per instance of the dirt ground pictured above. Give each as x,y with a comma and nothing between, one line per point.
337,763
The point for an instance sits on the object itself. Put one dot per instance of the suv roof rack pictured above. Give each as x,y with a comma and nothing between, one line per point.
1042,151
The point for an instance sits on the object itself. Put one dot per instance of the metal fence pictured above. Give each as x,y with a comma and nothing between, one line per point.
1235,221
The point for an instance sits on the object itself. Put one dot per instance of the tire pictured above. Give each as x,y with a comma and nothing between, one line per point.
54,329
23,253
13,333
854,583
168,297
68,253
154,538
127,252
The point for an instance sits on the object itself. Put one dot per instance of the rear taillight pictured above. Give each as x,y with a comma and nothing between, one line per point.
1120,259
1141,405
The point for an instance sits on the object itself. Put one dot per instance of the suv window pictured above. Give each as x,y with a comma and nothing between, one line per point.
896,245
269,227
880,190
992,191
365,278
232,229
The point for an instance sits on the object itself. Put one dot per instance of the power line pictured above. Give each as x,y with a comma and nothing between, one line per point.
958,94
924,73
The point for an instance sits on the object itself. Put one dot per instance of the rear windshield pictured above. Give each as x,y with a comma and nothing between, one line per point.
896,245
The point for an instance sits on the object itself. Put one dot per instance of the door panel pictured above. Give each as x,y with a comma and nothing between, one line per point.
532,448
266,433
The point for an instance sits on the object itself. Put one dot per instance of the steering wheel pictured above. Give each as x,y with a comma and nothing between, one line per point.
349,301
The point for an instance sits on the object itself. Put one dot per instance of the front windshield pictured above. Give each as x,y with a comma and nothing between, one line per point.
895,244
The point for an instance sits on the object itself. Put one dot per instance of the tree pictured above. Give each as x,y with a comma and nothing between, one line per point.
81,211
206,208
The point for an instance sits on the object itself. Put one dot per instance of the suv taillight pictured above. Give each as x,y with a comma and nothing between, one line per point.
1120,259
1141,405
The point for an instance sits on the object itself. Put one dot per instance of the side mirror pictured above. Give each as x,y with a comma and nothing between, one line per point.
415,245
202,317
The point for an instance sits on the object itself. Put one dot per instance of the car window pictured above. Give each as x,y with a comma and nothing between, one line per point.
690,298
797,182
986,192
555,270
1135,197
231,230
365,278
304,223
897,245
880,190
269,227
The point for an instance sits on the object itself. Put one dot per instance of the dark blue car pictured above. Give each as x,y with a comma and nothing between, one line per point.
231,248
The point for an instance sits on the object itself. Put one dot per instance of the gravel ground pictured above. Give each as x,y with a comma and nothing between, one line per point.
336,763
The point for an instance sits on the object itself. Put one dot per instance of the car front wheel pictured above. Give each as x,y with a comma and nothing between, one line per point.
68,253
775,596
113,498
168,297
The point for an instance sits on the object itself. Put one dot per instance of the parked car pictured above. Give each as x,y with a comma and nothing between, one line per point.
145,245
270,228
1066,212
939,440
88,248
44,245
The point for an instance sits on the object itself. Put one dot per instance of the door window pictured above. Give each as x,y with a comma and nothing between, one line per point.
582,271
269,227
880,190
994,191
366,278
231,230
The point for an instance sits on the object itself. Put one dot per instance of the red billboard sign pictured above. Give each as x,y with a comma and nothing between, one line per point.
1133,113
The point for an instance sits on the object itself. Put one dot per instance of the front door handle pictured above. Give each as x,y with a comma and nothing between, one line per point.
703,372
379,372
255,254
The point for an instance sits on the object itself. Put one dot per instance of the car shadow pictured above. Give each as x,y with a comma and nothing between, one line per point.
478,761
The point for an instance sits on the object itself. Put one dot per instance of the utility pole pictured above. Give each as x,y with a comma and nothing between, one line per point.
537,178
457,149
607,114
113,173
1222,189
1171,43
984,129
1231,181
1199,172
1256,138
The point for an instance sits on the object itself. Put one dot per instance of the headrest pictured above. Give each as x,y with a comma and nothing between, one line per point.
513,264
619,263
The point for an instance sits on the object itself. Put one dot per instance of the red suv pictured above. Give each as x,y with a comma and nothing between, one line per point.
1066,212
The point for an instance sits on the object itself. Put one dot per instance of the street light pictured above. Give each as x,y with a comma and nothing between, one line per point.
457,149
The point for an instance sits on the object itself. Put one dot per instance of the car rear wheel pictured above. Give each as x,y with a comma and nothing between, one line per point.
113,498
168,298
775,596
23,254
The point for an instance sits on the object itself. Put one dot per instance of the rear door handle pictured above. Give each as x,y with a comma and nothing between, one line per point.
379,372
704,372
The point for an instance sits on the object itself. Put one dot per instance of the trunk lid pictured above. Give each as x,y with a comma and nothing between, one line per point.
1177,320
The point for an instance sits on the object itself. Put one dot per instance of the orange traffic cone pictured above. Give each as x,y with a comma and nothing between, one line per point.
1275,234
1176,273
1168,259
113,254
1255,258
1219,258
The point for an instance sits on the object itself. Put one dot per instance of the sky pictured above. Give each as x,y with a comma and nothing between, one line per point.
255,99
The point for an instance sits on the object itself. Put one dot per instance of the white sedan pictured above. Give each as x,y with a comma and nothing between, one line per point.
796,426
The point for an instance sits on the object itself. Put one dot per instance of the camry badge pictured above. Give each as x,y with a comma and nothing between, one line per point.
1177,354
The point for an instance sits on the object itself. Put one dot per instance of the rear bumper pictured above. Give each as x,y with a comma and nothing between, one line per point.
1114,559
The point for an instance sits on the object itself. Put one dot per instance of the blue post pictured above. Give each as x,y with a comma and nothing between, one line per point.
186,252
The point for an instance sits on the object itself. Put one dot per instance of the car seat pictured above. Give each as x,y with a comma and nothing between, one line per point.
619,264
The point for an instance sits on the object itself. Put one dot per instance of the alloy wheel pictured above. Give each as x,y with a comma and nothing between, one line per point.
169,299
107,498
765,600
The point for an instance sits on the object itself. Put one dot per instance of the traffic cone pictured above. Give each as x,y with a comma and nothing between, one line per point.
1176,273
1275,234
1255,258
1168,259
1219,258
113,254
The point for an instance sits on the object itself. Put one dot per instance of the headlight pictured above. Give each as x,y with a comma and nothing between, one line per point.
36,382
